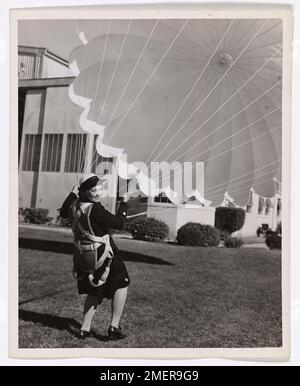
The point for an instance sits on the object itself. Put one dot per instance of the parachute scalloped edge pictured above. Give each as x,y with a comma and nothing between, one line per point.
124,170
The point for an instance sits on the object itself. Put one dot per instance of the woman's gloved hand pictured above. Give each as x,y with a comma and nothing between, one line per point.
100,275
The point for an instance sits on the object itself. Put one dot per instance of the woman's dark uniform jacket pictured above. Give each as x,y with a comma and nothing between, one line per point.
102,222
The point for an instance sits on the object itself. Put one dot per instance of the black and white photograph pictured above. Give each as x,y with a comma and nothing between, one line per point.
152,154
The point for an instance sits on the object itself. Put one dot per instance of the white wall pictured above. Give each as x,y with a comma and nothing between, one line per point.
177,215
54,69
254,220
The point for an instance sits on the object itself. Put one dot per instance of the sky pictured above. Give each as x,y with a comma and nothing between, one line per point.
48,34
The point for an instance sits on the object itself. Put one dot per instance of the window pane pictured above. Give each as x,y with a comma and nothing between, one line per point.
32,151
52,152
76,146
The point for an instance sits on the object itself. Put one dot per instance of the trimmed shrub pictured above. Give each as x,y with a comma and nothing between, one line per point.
35,215
196,234
273,240
233,242
223,234
130,222
149,229
262,230
229,219
259,231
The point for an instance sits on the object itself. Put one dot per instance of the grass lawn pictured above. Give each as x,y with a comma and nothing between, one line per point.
179,297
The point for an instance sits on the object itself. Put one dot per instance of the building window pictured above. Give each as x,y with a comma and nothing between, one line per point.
75,154
32,152
52,152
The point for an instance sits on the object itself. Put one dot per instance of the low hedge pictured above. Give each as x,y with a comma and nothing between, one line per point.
273,240
195,234
233,242
149,229
35,215
229,219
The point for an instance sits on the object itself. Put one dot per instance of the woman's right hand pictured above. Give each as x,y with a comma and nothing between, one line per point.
75,189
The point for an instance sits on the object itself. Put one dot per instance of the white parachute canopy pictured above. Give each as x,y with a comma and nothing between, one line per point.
185,90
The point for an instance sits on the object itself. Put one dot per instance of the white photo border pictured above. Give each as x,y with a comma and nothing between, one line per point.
153,11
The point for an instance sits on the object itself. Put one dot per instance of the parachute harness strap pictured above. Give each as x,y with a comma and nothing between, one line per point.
96,241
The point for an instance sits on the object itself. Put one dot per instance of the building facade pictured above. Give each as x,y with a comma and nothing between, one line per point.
53,149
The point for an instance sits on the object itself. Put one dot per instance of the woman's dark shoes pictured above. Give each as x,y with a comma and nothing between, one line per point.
115,333
84,334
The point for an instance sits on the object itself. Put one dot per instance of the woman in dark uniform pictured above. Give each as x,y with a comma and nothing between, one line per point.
111,279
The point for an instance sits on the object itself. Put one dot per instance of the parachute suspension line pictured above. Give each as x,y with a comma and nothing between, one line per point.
263,46
204,100
149,211
101,65
205,108
244,182
96,159
244,175
98,82
233,148
215,192
107,94
77,155
191,90
228,100
81,153
132,73
240,40
239,113
115,69
239,131
258,105
247,65
243,190
148,80
227,121
260,34
81,160
242,144
239,71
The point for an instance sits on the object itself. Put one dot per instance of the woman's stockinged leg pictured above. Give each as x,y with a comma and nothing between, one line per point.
118,303
90,307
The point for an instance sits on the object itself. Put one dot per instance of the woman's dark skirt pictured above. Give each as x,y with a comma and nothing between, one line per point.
118,278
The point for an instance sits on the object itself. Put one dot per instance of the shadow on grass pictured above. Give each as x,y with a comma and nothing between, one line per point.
57,322
67,248
47,295
140,258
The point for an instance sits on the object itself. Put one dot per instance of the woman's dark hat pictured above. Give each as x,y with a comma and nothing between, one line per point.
88,181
